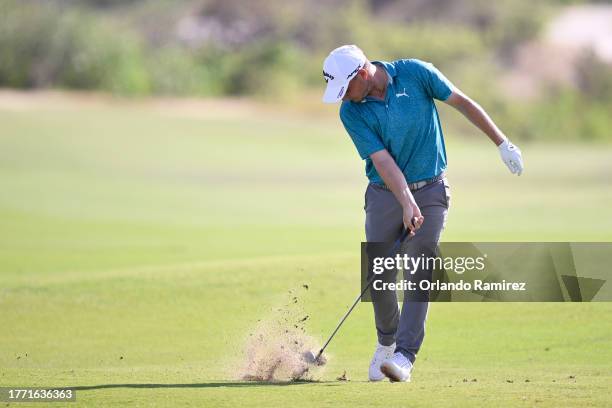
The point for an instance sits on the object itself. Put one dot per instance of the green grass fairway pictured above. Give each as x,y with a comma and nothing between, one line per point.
140,243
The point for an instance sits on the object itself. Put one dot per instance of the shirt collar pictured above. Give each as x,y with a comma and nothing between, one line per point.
391,71
390,68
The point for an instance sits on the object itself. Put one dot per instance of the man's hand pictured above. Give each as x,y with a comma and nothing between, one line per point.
412,217
511,155
396,181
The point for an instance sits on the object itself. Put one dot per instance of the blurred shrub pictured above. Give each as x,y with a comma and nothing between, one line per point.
173,71
568,114
581,111
99,56
41,47
439,43
503,24
103,3
514,23
594,78
275,50
268,69
24,35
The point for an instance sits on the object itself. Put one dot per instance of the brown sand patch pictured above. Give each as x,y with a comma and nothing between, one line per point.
275,349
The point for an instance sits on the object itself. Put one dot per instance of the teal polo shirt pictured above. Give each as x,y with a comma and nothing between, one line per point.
406,123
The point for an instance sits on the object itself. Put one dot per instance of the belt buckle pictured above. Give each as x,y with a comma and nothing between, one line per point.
420,184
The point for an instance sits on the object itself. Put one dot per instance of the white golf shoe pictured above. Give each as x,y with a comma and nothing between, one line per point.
397,368
381,354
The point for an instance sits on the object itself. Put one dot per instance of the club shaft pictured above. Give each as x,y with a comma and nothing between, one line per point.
395,248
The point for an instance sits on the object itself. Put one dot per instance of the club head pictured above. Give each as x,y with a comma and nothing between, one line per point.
311,358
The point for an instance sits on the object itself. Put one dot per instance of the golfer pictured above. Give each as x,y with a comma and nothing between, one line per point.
389,112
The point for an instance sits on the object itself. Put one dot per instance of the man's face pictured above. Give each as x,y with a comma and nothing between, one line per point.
357,87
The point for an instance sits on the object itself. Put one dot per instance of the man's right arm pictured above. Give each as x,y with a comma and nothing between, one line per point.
395,180
369,144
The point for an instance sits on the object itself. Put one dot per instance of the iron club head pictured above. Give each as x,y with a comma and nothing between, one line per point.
312,358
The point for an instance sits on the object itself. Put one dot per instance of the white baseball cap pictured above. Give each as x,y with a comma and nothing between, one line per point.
340,66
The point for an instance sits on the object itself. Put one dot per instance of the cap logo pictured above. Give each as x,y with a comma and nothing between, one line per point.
327,76
340,93
355,70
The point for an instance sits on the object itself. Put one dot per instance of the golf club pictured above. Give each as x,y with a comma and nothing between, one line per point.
309,356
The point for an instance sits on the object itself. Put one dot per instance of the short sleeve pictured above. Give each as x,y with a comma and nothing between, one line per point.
365,139
436,85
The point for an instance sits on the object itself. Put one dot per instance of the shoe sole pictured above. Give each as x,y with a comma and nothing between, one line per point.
391,376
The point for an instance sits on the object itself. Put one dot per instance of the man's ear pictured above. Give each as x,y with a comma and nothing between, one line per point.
363,73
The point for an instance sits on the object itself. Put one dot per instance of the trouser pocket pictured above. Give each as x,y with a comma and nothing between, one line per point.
447,192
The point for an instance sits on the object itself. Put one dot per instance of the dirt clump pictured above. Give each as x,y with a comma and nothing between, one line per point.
275,350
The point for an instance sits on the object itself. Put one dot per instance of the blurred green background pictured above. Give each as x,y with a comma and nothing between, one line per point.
542,68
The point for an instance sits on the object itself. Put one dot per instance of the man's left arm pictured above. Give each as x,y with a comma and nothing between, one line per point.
510,154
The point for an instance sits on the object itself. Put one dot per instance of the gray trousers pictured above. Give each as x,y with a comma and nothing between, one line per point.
384,224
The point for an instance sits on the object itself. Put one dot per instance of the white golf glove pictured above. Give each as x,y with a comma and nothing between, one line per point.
511,155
